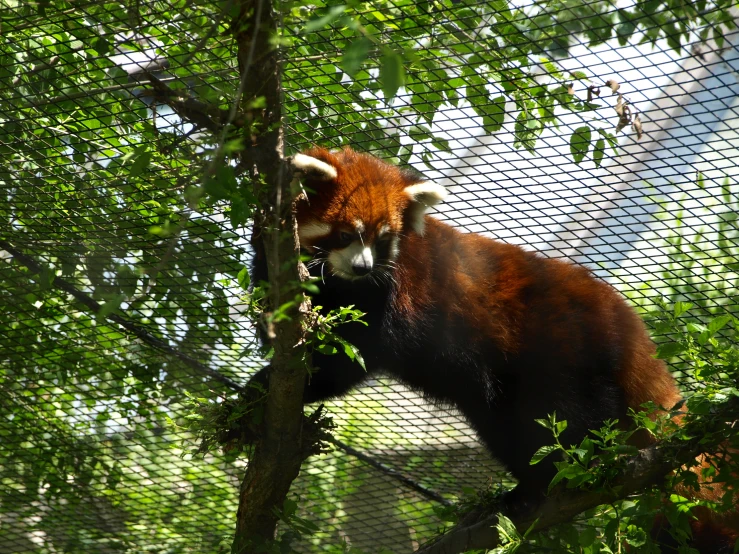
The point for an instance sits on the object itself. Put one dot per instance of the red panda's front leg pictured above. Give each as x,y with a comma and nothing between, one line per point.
332,376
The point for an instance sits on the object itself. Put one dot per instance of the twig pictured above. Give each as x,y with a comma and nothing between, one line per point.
390,472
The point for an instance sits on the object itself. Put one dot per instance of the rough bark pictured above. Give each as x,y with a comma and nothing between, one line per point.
647,468
283,445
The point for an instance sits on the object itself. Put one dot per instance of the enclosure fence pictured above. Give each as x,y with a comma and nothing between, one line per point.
120,295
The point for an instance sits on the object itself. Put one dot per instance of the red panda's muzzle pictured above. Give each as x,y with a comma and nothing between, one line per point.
355,261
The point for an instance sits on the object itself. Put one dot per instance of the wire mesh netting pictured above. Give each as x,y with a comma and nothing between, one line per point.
120,272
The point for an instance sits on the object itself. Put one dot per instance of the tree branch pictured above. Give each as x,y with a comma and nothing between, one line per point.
647,468
138,331
190,109
390,472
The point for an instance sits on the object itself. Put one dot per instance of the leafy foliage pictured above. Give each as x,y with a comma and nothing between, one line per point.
125,201
324,340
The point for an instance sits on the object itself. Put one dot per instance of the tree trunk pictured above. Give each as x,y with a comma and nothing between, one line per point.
281,448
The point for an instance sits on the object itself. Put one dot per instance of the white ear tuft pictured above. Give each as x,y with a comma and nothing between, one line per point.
423,196
313,166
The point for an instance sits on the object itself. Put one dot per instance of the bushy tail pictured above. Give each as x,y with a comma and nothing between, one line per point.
712,532
713,537
709,536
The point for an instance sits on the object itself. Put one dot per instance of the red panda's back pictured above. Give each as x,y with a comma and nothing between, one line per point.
530,307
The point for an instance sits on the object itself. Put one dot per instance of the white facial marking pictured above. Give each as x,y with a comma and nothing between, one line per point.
312,230
359,226
384,229
366,257
423,196
344,261
314,166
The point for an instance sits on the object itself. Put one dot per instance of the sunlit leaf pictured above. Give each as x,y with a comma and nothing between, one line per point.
355,55
392,73
319,23
580,143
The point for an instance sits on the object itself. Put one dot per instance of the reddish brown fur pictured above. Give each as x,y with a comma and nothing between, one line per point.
503,334
369,189
363,190
499,310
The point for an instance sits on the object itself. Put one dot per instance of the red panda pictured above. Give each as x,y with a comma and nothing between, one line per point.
502,334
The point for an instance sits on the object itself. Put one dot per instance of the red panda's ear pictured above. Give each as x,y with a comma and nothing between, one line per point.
423,196
313,167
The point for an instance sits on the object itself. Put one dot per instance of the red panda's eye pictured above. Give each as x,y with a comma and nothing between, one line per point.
346,238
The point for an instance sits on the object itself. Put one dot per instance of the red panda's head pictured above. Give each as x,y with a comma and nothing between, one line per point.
357,208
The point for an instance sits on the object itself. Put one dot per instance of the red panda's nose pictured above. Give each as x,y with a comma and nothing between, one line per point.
361,269
362,262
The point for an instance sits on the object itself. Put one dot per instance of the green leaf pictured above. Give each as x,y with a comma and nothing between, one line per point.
221,185
310,287
718,36
243,278
599,152
140,163
525,131
441,144
494,115
588,446
581,453
560,427
611,140
542,453
353,352
355,55
507,527
101,45
561,474
241,211
696,328
544,423
110,307
127,280
681,307
419,133
636,537
625,449
289,507
673,37
392,73
669,349
334,12
624,32
611,528
580,143
718,323
328,349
